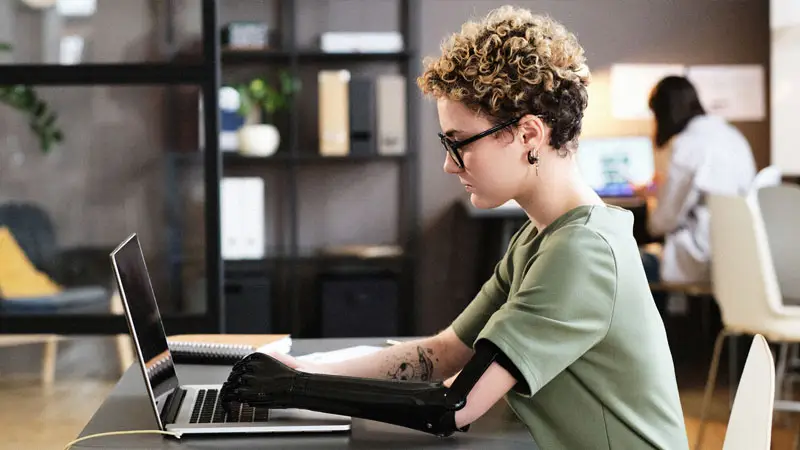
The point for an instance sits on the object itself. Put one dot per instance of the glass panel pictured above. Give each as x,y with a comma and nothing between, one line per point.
98,31
128,162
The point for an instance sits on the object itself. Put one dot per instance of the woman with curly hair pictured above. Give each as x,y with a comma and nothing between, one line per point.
584,357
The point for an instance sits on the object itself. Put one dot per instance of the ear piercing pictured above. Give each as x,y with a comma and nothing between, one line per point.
533,159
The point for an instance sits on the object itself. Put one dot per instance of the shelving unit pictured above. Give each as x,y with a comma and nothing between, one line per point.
295,267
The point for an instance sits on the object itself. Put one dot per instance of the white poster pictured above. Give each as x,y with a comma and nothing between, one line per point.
784,14
631,85
735,92
785,91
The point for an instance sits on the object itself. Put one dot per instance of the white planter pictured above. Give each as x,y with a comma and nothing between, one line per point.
259,140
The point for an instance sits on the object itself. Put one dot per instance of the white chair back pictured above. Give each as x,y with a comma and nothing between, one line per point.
750,423
780,210
768,176
742,273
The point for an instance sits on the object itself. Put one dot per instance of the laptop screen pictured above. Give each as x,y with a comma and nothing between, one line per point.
613,165
144,319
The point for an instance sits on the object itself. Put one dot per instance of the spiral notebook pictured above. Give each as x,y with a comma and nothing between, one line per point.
224,349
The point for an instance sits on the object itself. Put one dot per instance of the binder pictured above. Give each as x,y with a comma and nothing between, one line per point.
243,216
390,93
334,117
362,116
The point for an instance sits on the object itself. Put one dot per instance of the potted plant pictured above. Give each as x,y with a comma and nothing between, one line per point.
259,101
41,119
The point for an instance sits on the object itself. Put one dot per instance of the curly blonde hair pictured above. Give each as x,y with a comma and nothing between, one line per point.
511,63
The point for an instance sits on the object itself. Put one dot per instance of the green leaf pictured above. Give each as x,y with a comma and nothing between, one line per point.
257,85
46,144
258,93
245,105
39,108
41,120
50,120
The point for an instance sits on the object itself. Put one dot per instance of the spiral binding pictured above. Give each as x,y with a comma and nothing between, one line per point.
212,350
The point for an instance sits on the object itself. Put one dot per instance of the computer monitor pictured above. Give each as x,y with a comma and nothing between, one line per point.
614,165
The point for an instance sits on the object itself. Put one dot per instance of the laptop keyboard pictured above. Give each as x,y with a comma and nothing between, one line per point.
208,409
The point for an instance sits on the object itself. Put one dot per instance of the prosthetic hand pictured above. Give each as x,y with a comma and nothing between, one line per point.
259,380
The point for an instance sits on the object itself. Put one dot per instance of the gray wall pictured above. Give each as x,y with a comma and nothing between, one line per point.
611,31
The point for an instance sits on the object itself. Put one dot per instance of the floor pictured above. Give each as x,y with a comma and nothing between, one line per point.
33,418
36,418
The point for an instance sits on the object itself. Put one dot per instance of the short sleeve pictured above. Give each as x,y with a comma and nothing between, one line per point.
562,309
492,295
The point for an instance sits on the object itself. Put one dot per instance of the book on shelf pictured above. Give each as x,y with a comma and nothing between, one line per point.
224,348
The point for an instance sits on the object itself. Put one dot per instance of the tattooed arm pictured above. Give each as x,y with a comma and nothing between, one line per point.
410,366
430,359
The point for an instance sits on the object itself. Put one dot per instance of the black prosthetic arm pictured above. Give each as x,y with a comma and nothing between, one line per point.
259,380
262,381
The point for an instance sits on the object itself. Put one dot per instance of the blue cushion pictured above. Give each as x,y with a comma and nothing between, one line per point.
74,300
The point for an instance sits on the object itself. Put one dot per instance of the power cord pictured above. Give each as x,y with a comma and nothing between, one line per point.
117,433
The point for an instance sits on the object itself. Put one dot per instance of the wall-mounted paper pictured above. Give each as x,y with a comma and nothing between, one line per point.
631,85
784,14
785,92
735,92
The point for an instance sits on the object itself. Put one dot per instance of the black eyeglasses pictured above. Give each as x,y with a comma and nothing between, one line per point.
452,146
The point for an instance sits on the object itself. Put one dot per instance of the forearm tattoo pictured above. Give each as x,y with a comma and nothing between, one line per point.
411,366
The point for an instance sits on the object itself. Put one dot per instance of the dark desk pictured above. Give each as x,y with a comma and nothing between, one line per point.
127,408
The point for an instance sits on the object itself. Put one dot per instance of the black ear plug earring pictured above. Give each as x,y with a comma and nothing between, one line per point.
533,159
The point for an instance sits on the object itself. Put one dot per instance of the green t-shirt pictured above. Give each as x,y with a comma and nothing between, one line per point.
571,308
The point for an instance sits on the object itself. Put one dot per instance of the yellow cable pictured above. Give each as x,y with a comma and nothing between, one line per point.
115,433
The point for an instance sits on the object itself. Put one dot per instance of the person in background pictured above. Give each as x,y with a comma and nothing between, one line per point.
706,155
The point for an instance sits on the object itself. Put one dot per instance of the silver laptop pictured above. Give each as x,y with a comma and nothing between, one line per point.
191,409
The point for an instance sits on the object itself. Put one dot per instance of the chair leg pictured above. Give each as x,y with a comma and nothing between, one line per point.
49,361
124,352
780,373
710,383
733,367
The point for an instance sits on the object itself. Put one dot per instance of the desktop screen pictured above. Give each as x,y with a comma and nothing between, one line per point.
613,165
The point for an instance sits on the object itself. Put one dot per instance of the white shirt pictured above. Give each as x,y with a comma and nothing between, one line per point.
708,156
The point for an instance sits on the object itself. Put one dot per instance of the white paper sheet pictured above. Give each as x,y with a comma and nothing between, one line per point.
735,92
631,85
281,346
340,355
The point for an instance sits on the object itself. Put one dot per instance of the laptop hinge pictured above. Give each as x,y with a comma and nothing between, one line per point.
173,405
